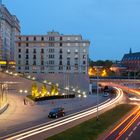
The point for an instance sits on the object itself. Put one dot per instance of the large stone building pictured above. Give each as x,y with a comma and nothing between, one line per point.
51,53
131,61
9,28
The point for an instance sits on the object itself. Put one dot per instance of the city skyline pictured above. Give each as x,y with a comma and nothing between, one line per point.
112,25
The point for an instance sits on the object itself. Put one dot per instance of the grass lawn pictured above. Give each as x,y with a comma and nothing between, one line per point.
91,129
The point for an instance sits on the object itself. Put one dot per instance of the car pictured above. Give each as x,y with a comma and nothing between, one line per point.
106,94
56,112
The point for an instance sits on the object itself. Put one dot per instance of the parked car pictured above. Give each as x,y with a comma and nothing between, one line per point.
56,112
106,94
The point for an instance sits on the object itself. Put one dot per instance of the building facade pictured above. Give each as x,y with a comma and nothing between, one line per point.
51,53
9,28
131,61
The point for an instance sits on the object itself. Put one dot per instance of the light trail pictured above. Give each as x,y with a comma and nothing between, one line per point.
67,119
134,99
128,125
134,112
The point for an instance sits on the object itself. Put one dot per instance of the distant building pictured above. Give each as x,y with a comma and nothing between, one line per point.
51,53
118,68
9,28
131,61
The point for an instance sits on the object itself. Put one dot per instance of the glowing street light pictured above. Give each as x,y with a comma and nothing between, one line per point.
25,91
21,91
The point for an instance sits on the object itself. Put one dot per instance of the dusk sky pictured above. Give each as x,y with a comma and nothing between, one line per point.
112,26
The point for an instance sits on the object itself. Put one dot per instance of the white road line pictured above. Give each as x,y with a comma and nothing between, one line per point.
135,128
126,138
130,133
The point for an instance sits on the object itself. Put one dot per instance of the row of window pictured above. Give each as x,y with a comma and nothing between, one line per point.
53,44
50,56
59,68
50,51
51,38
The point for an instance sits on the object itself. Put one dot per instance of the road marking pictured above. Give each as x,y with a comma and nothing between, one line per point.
130,133
135,128
126,138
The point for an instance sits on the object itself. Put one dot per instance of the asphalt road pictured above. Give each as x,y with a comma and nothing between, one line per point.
19,117
128,129
51,128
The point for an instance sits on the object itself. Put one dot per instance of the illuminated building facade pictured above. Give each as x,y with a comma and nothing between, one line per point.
9,28
52,53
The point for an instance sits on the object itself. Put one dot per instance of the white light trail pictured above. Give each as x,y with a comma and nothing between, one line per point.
70,118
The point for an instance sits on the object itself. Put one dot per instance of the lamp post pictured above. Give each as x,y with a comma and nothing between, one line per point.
97,94
97,98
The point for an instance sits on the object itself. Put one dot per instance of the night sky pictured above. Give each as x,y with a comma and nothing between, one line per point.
112,26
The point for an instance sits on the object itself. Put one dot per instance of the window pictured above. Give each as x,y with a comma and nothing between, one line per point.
68,62
76,67
68,68
19,56
84,50
60,56
42,62
84,44
27,38
84,56
34,63
61,38
34,38
76,51
19,50
42,50
27,51
61,44
42,38
19,62
26,67
60,67
84,62
42,68
27,56
34,57
19,68
51,38
60,63
51,50
51,62
51,44
60,51
27,62
19,38
27,44
68,51
34,51
19,44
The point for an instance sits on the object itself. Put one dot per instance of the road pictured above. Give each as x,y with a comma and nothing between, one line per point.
128,129
45,130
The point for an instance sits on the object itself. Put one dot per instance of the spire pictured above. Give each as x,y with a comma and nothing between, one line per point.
130,51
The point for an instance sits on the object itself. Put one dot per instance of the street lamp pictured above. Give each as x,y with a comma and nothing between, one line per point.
97,99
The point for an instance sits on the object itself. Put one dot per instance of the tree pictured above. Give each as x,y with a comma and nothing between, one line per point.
44,90
54,90
35,90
